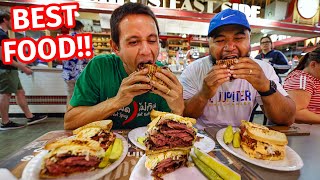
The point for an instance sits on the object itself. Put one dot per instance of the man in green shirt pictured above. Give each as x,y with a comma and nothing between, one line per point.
111,88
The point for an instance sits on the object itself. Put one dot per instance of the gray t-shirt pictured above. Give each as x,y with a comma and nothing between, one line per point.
233,102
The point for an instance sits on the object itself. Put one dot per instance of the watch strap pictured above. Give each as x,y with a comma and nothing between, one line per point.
272,89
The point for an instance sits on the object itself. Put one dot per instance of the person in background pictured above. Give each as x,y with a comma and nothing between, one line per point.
110,87
10,83
274,57
303,86
73,68
216,100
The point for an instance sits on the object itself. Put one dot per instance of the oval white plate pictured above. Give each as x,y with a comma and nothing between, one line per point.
291,162
32,170
205,144
186,173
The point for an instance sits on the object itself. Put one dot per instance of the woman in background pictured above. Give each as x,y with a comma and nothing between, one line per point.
303,86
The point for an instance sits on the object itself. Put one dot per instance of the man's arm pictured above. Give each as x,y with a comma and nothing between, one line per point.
82,115
194,106
279,109
302,100
216,76
20,66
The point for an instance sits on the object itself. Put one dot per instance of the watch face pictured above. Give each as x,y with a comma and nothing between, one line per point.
307,8
273,86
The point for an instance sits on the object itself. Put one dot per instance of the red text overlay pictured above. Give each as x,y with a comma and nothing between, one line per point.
46,48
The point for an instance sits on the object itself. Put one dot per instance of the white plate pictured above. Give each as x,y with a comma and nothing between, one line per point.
205,144
32,170
135,133
291,162
142,173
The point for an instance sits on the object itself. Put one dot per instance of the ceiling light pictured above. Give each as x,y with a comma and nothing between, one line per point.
265,31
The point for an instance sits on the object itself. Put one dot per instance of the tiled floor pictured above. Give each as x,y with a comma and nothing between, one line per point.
11,141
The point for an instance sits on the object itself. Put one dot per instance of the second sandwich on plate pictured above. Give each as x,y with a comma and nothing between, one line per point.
168,144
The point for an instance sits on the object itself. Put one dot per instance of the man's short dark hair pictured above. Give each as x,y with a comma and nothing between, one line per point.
78,26
4,15
125,10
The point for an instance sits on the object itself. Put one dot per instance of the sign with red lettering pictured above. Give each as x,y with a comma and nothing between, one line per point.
46,48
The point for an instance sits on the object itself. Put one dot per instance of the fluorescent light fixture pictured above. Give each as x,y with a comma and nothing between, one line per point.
265,31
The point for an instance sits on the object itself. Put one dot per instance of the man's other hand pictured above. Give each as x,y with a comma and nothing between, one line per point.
171,92
135,84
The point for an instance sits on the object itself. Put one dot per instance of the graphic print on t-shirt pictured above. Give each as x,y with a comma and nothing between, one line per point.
231,98
134,111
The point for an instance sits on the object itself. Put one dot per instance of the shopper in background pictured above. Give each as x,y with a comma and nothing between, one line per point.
110,87
274,57
10,83
303,86
72,68
213,98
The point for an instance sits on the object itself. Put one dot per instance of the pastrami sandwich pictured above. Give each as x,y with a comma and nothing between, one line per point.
262,143
71,155
227,62
170,131
166,162
98,131
152,69
168,143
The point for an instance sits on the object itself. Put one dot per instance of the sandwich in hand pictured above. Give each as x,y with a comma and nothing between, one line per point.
261,143
152,69
168,143
71,155
228,62
98,131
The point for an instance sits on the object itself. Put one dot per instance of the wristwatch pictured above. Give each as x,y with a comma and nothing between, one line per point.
273,89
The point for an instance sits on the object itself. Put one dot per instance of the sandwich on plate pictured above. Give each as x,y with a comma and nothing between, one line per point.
262,143
71,155
98,131
168,143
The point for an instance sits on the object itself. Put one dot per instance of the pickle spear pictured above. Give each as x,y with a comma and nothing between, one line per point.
105,161
141,140
222,170
228,135
236,140
116,150
207,171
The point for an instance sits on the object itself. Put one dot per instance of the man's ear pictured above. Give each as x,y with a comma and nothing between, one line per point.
313,64
114,47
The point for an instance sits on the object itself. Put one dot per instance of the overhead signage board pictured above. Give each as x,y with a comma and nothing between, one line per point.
249,11
207,6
